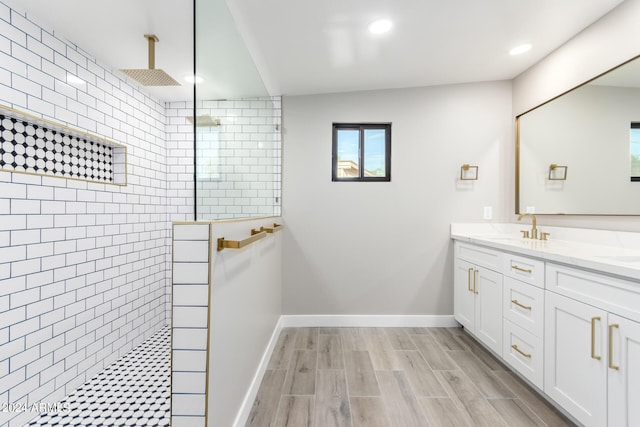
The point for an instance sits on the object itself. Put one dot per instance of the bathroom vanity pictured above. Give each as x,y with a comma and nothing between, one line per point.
563,313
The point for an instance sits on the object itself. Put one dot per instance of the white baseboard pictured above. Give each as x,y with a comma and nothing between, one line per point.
367,321
250,397
332,321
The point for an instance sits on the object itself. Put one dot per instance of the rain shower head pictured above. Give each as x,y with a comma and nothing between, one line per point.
151,76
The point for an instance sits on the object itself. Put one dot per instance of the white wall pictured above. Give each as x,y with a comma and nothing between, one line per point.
83,266
608,42
384,248
245,306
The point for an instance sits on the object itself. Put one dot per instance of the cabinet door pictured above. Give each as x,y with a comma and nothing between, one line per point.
488,322
575,344
624,382
464,296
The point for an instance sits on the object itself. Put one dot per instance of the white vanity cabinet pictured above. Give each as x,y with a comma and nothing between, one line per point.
478,293
572,331
592,352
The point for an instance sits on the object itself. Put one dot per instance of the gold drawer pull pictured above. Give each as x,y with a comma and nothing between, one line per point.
611,365
524,270
515,347
593,338
469,272
526,307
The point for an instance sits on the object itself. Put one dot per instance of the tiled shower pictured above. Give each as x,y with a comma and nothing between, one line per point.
85,266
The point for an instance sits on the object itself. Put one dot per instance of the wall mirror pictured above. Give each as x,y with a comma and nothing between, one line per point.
579,153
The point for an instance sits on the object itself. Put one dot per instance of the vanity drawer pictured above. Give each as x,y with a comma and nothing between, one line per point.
524,305
479,255
528,270
609,293
523,352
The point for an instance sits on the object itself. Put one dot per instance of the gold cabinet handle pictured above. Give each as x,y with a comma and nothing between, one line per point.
475,282
611,365
526,307
469,279
593,338
515,347
524,270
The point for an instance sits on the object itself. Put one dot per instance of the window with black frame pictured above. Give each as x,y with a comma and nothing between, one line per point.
361,152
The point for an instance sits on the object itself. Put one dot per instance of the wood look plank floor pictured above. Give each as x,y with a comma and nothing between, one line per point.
370,377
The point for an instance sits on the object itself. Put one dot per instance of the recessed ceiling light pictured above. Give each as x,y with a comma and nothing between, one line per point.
194,79
74,80
520,49
380,26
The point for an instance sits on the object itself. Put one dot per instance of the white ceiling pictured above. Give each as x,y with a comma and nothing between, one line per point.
302,47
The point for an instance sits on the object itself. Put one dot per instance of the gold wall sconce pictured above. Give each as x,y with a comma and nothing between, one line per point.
468,173
557,172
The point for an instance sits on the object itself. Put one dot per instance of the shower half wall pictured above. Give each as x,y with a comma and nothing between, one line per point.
226,311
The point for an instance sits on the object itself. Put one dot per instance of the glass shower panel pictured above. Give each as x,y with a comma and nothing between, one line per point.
237,124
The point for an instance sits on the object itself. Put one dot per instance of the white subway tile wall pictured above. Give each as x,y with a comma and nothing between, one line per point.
180,186
190,322
84,266
238,162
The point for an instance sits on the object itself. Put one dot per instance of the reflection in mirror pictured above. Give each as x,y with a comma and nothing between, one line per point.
634,139
593,131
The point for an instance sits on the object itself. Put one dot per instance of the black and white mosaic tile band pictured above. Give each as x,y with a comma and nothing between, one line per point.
27,147
133,391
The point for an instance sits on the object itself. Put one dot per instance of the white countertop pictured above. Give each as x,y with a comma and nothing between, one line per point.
611,252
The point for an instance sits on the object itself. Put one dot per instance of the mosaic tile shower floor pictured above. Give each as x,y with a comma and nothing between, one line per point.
133,391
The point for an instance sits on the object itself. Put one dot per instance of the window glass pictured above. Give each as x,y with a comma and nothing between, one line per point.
348,146
374,152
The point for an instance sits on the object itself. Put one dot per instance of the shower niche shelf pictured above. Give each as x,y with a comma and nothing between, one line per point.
36,146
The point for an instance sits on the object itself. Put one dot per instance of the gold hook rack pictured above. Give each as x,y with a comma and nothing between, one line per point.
237,244
270,230
552,168
464,169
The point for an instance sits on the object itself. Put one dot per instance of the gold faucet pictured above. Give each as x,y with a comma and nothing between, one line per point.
534,229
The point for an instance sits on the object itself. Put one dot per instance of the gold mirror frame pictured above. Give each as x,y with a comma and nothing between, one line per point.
517,131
